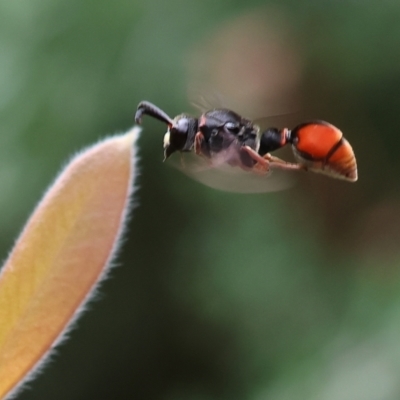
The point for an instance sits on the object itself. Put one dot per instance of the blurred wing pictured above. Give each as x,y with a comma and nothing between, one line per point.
203,101
222,176
283,120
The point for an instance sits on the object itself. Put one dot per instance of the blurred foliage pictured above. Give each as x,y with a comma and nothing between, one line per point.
287,295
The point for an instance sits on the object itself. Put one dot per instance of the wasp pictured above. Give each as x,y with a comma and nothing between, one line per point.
222,136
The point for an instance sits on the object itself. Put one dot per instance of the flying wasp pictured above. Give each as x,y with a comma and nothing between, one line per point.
223,137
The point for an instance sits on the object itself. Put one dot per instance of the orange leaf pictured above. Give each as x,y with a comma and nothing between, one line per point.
63,252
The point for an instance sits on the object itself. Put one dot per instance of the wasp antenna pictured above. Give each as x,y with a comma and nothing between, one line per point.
147,108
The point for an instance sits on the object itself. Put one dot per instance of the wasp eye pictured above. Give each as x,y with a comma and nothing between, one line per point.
181,126
232,127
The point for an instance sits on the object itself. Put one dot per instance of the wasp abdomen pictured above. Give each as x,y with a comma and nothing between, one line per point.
321,147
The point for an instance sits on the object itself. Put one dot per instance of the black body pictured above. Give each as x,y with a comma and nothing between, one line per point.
220,130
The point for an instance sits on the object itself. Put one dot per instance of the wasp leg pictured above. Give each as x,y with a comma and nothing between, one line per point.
276,162
261,165
198,141
200,148
264,163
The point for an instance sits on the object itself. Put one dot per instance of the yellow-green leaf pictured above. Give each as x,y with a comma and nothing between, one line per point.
62,253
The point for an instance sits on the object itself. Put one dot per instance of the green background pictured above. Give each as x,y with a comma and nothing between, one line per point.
276,296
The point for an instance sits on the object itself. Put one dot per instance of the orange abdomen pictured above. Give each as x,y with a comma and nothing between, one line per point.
321,147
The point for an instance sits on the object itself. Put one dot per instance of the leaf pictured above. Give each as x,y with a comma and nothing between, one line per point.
63,252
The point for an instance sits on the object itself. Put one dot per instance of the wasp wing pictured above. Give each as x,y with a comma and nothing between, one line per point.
218,174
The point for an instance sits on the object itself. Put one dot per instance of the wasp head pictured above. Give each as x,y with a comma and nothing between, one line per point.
180,135
181,130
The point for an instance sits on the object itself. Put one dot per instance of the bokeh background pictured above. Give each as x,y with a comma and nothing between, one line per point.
285,295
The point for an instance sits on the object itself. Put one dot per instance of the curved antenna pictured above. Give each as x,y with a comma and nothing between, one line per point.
147,108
